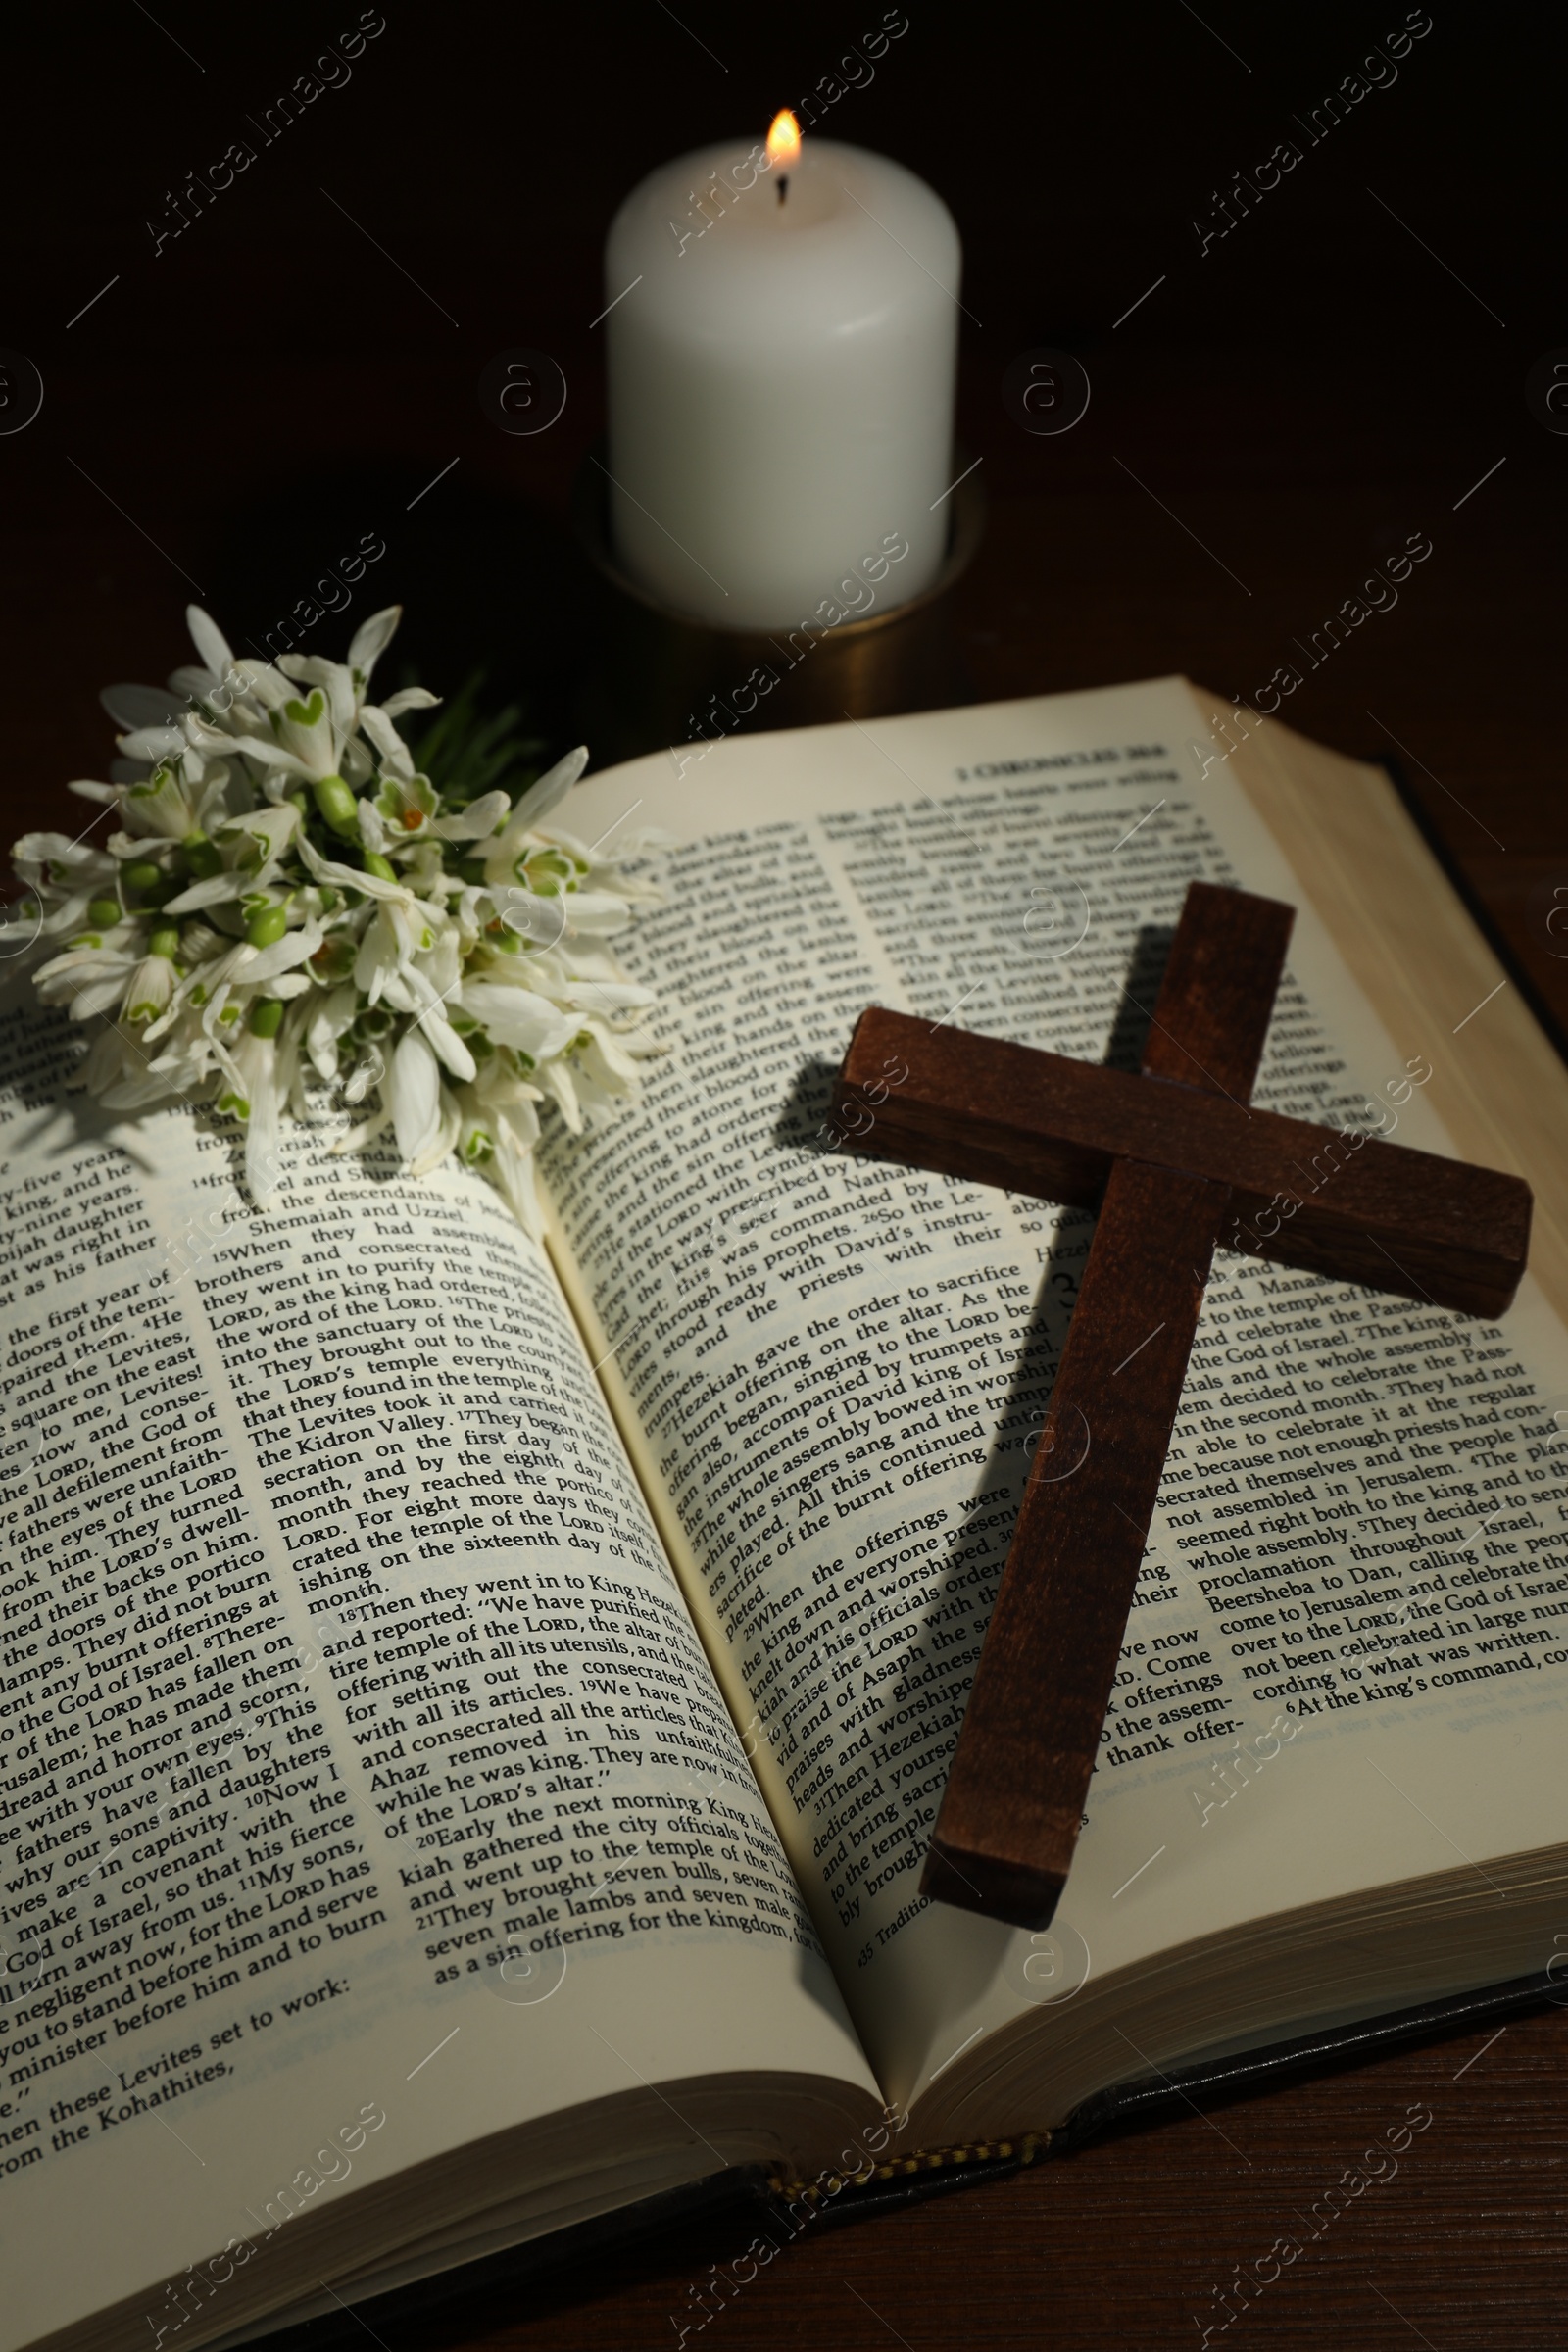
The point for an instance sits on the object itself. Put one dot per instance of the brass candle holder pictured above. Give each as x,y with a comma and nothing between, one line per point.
657,678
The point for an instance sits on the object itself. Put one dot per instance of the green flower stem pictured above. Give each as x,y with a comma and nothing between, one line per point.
103,912
266,1016
165,942
382,867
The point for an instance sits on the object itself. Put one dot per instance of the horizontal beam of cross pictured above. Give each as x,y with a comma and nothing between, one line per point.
1344,1204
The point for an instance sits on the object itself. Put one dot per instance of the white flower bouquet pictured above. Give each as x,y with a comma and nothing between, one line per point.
288,893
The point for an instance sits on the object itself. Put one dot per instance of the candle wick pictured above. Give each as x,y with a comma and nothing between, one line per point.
783,187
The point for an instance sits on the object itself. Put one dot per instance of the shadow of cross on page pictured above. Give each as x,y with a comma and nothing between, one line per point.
1175,1159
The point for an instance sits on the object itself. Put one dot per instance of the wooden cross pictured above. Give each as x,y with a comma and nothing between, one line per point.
1175,1160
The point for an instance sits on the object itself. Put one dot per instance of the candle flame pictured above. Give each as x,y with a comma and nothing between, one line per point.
784,140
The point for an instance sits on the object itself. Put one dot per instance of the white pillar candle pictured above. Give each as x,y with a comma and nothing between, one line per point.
782,350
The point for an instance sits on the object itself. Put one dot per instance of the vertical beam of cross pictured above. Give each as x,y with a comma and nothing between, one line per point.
1010,1816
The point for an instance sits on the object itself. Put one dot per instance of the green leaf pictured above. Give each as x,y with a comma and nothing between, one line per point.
466,751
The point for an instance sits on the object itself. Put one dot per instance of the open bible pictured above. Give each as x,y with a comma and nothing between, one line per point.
471,1713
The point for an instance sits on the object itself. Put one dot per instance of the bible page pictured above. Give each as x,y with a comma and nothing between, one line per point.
366,1791
1346,1662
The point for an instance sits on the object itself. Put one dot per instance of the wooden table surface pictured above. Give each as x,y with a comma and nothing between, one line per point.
235,407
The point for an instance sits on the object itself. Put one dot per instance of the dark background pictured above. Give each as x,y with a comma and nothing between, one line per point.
240,407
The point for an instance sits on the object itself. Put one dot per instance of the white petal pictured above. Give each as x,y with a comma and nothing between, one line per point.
389,945
410,698
274,826
599,911
449,1044
606,996
361,1137
529,914
395,753
208,640
522,1119
66,919
64,976
372,637
269,685
477,822
220,1050
344,703
152,741
555,1079
257,1060
367,1071
349,877
254,747
414,1085
141,705
209,893
96,996
181,1070
328,1023
447,1127
512,1173
158,808
213,806
516,1016
541,798
150,986
294,948
608,1062
58,849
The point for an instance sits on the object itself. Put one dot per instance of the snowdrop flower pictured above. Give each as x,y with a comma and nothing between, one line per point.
292,902
152,983
88,978
71,889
